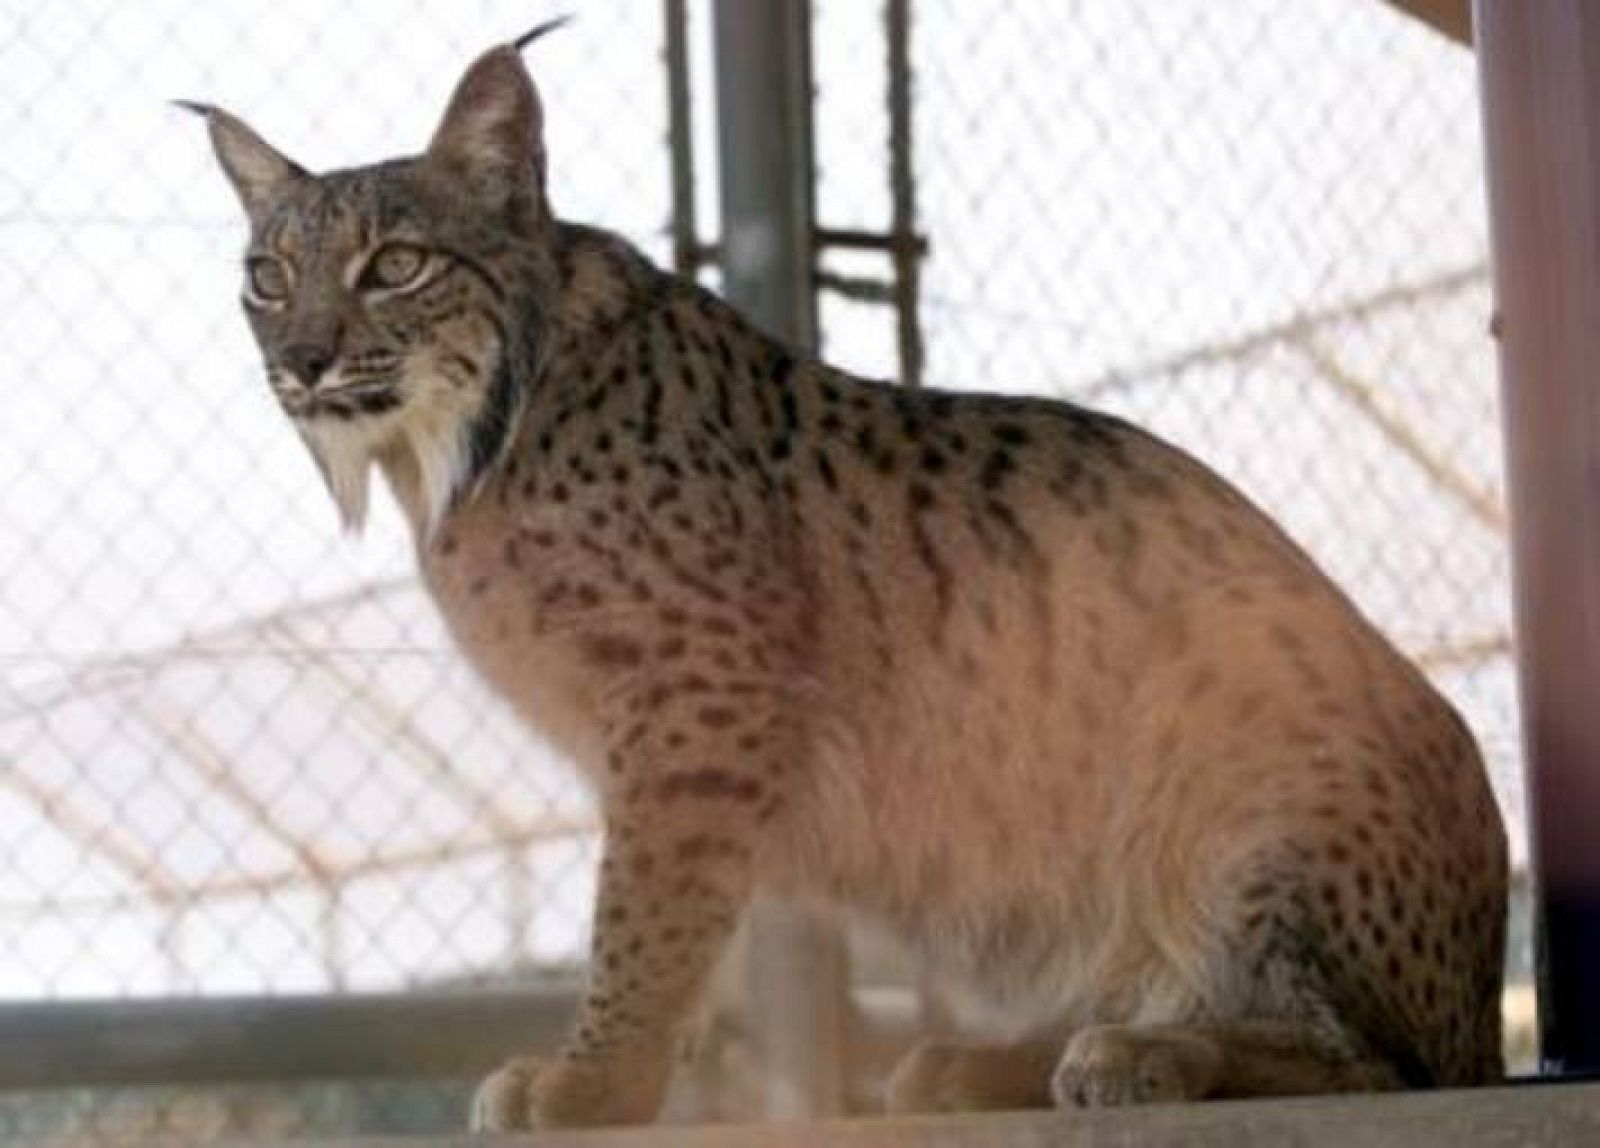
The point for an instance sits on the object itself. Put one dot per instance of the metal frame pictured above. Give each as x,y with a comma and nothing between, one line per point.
904,245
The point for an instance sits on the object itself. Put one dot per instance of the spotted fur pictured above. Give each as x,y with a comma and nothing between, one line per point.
1012,680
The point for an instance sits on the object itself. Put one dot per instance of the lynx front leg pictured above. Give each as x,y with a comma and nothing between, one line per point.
675,877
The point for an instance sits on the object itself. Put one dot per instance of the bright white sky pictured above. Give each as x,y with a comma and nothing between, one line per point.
1104,184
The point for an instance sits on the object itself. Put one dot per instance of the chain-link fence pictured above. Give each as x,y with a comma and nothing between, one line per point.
236,753
240,756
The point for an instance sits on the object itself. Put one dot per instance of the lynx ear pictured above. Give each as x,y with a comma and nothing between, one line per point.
257,170
492,134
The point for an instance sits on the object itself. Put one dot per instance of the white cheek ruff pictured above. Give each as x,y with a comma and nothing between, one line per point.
423,445
343,453
438,443
344,450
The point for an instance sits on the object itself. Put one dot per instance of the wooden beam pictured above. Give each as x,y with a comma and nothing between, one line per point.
1483,1118
1452,18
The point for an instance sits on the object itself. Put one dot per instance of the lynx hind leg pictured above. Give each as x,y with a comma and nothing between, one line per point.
1295,1006
938,1076
1113,1065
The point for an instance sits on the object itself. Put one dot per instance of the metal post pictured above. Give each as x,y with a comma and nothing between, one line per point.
794,974
680,139
763,67
904,244
1540,72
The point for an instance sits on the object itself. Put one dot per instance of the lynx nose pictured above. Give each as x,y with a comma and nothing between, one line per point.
308,361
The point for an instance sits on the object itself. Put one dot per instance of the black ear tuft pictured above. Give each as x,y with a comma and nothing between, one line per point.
521,42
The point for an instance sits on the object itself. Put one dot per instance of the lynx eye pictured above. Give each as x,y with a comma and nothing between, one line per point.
266,279
393,266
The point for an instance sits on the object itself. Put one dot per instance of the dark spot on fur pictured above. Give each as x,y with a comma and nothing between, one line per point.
612,651
709,784
716,717
1012,435
825,470
671,648
996,467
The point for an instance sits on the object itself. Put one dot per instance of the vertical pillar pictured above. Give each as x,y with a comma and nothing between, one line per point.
794,974
763,68
904,245
1540,76
680,139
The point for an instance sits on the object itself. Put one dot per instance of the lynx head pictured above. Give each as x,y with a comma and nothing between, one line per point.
400,307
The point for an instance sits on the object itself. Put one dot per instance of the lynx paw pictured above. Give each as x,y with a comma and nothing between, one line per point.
505,1101
530,1093
1111,1065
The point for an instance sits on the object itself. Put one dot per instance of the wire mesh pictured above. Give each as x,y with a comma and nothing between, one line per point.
238,755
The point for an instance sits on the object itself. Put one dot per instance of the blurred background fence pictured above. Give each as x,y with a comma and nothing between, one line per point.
236,753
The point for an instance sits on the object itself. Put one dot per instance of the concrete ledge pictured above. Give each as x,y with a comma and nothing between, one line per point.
1523,1115
212,1040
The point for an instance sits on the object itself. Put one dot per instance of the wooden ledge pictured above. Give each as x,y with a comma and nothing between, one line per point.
1521,1115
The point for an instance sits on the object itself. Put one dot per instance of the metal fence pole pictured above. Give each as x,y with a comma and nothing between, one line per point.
795,982
1540,71
764,144
680,139
905,247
